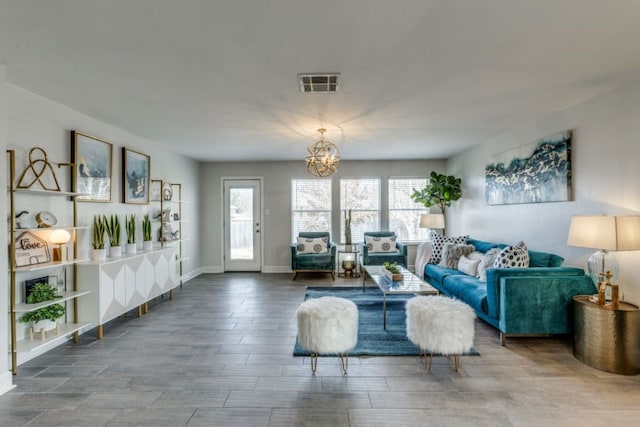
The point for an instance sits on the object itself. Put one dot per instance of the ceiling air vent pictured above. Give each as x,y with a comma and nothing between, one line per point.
319,82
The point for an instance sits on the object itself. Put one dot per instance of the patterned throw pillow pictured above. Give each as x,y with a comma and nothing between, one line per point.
451,254
468,266
487,262
438,241
513,256
381,244
317,245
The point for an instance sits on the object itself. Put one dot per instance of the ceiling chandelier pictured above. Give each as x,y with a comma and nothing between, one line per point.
323,157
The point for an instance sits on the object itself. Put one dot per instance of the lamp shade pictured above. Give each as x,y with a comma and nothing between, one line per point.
435,221
59,237
611,233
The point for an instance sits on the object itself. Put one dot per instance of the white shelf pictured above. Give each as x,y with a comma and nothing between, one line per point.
57,227
66,296
49,193
28,345
46,265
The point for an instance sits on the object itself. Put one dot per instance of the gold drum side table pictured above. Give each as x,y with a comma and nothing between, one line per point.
605,338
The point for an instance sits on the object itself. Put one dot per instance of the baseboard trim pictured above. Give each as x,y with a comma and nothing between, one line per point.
6,382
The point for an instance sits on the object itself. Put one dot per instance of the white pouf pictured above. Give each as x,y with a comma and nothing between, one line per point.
439,324
328,325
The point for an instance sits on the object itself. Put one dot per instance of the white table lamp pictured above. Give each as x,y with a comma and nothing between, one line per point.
59,237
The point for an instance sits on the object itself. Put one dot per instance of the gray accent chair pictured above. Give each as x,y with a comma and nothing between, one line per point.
325,262
379,258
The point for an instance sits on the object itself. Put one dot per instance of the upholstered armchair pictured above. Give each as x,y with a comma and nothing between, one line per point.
313,252
382,246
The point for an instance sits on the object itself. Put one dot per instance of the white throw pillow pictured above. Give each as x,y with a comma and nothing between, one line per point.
308,245
513,257
468,266
381,244
487,262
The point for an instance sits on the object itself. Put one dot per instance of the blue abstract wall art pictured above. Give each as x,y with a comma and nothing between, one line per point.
537,173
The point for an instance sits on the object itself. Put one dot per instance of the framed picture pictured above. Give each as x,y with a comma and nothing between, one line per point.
135,176
93,165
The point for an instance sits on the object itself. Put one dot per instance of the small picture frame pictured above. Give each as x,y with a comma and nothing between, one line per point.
93,165
135,176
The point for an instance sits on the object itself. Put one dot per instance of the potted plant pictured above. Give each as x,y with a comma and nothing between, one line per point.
392,271
97,242
130,228
440,191
43,319
147,243
113,230
347,230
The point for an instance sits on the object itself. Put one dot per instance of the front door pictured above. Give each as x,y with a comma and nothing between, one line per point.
242,223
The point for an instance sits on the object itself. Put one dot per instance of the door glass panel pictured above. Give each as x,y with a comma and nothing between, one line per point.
241,216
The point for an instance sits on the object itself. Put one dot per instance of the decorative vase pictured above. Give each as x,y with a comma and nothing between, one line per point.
45,325
132,248
147,245
99,254
394,277
115,251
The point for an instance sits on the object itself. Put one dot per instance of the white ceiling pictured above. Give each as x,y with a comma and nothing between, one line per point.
216,80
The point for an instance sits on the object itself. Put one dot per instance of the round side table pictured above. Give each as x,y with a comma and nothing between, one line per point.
605,338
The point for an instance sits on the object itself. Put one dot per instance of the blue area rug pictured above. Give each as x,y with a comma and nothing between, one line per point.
373,339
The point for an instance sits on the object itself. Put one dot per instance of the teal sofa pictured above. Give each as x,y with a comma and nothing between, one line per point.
518,301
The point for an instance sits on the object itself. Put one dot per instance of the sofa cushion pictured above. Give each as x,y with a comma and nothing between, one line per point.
434,274
381,244
438,241
544,259
451,254
468,266
516,256
482,246
318,245
468,289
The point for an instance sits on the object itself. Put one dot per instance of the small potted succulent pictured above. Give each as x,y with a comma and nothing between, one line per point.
147,239
113,231
130,228
43,319
392,271
97,242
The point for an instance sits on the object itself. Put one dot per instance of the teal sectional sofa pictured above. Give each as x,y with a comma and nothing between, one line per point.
518,301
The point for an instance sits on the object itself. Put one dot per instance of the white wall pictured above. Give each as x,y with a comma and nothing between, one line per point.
276,229
33,121
606,180
5,376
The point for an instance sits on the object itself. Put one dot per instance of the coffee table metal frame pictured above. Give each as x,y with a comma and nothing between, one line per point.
410,284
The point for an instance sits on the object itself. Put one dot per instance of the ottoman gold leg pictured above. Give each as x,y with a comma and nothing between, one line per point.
345,363
314,362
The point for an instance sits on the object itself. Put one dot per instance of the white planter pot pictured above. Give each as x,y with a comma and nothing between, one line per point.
132,248
99,254
147,245
45,324
115,251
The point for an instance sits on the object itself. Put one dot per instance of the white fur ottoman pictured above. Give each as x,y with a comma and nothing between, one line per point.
328,325
440,324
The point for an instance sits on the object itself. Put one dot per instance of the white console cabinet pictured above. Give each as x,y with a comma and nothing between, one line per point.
119,285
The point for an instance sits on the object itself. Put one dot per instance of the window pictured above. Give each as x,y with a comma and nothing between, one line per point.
404,213
310,205
362,196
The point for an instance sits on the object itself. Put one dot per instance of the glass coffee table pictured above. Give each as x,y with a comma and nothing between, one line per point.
410,284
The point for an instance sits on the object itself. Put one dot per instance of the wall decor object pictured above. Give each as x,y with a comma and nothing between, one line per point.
31,249
93,165
39,171
536,173
135,176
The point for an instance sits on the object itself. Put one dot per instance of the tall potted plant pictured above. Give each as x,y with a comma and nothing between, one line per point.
130,228
43,319
113,230
97,241
147,243
440,191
